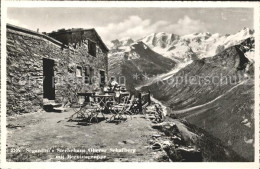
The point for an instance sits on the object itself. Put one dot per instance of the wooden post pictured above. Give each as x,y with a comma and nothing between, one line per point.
149,97
140,102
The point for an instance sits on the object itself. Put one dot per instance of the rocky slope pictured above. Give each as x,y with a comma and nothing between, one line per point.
183,50
187,143
138,63
203,84
224,70
206,93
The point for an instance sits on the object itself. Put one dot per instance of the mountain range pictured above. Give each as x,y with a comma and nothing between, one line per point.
182,50
206,79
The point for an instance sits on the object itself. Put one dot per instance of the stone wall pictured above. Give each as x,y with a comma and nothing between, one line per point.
25,53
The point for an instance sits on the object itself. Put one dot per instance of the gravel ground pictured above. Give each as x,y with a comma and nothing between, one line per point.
44,136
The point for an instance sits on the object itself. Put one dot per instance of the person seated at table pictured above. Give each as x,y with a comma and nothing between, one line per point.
113,84
123,88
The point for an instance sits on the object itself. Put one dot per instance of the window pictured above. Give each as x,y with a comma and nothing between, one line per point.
79,71
92,78
122,81
89,75
92,48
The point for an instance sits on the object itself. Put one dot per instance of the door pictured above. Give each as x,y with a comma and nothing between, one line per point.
48,79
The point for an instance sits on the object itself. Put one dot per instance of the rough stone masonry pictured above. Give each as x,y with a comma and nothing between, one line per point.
73,62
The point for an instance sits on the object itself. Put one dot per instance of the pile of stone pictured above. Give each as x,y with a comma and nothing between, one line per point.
155,113
172,142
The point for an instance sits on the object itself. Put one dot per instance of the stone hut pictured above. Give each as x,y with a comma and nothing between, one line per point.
52,66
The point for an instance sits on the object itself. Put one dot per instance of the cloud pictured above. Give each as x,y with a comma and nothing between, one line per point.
223,16
16,23
136,27
186,25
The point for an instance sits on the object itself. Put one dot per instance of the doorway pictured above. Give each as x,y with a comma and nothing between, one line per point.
48,79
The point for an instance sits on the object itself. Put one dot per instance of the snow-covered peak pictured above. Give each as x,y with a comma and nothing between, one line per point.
216,35
184,48
196,35
160,39
244,33
122,43
200,45
126,41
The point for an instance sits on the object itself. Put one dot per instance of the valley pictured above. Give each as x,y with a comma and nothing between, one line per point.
209,83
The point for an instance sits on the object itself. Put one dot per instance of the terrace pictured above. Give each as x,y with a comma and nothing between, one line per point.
100,127
67,136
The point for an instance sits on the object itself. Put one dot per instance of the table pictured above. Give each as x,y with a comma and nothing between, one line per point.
124,93
86,95
104,97
109,92
104,100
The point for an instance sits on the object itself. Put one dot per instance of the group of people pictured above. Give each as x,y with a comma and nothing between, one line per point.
113,86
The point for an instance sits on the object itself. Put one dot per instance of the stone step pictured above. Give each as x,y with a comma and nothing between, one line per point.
53,104
57,105
61,109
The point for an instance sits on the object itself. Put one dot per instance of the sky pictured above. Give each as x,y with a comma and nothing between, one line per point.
118,23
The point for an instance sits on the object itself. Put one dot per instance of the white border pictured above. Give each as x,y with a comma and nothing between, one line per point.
99,165
129,4
257,85
3,84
